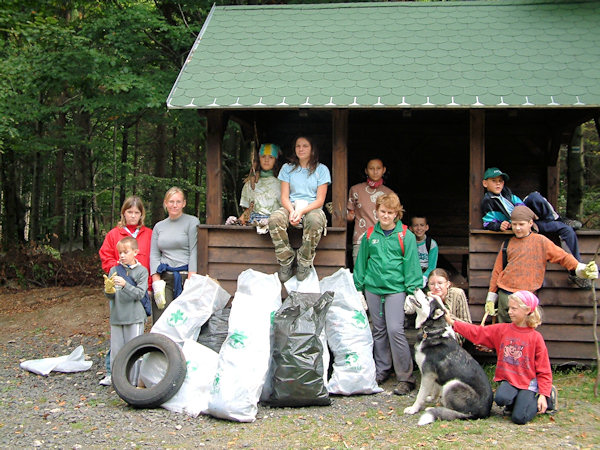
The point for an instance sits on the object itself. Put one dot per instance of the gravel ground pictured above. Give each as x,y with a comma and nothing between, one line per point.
73,411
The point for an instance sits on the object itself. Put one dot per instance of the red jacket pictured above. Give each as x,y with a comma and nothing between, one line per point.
110,256
522,353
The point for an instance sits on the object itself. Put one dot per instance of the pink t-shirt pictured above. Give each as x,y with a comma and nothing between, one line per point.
362,200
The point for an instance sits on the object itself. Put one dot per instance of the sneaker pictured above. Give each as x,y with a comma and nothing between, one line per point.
575,224
581,283
403,388
382,378
302,271
553,403
285,272
106,381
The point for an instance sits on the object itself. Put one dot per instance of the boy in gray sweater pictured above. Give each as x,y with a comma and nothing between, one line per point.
125,287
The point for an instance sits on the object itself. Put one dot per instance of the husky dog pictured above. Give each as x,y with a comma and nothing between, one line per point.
446,368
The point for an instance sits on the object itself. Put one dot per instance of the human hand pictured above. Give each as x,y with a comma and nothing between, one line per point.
119,281
490,302
295,218
505,225
159,288
109,285
363,301
542,404
589,270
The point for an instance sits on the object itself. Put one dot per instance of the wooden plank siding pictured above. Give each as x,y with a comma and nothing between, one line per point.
225,251
567,311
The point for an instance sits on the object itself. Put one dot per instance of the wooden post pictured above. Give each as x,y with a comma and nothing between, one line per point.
214,156
339,168
476,166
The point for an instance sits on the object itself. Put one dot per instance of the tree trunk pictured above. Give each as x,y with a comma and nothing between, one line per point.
124,151
160,158
14,213
575,171
59,180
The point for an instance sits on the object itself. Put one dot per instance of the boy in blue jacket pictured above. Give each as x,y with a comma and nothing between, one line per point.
387,268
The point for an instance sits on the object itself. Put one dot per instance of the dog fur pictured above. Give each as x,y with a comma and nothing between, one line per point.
446,368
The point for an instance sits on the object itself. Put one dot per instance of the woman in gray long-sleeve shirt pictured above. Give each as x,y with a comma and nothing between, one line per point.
174,246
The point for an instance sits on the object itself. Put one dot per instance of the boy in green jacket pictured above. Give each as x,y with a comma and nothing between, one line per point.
387,268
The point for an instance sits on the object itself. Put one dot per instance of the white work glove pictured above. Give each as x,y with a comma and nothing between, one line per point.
490,302
424,281
589,270
159,288
363,301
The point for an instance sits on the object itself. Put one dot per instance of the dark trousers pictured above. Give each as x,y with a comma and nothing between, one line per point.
522,401
549,225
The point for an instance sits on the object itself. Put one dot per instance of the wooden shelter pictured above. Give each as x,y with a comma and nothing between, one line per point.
438,90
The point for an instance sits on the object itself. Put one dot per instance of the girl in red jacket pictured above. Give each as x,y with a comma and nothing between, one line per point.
523,367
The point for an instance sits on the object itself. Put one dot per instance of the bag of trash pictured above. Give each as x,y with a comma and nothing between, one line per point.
185,315
245,354
298,351
74,362
214,332
349,338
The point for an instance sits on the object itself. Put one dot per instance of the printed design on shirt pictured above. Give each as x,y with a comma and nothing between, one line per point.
374,196
375,241
362,223
177,318
423,255
512,354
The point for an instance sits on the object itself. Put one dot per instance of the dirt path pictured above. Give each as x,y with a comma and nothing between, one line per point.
73,411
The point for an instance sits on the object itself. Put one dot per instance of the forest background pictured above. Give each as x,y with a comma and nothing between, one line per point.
84,124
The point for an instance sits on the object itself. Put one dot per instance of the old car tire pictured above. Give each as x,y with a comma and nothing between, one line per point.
156,395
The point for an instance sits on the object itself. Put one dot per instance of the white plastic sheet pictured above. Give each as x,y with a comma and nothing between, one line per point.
74,362
245,354
349,338
184,317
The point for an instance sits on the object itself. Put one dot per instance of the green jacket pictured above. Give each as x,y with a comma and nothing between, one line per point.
380,267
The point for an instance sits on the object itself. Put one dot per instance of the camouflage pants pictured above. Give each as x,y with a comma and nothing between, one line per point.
313,224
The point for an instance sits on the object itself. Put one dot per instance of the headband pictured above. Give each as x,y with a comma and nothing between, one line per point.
269,150
529,299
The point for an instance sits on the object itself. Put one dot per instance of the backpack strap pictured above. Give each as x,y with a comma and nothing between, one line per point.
428,243
146,303
401,235
504,255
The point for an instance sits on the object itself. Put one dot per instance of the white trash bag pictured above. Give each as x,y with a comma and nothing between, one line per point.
185,315
349,338
74,362
245,354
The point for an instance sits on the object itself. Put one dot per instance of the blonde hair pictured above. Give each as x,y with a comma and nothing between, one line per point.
132,202
534,318
391,201
128,241
170,193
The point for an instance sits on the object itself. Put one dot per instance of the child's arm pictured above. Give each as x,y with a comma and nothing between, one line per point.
557,255
360,267
432,259
350,213
134,293
475,333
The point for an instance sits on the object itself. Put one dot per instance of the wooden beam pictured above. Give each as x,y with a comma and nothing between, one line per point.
476,166
339,169
214,156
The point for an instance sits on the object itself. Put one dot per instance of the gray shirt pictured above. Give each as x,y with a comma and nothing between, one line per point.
125,304
174,242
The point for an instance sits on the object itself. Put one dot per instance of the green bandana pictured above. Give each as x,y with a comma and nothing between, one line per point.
266,173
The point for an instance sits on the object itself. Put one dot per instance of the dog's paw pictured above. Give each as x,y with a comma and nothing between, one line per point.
411,410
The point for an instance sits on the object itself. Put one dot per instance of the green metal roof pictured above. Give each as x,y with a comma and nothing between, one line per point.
394,55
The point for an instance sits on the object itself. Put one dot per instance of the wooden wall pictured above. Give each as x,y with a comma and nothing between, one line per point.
567,311
224,251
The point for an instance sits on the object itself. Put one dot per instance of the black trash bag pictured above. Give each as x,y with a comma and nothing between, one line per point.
298,352
214,332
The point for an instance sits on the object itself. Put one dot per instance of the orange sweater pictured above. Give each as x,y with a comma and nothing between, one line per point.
526,263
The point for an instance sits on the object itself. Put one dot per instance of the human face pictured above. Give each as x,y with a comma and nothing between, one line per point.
175,204
438,286
127,254
517,315
267,162
522,228
494,185
132,216
375,170
303,151
386,217
419,227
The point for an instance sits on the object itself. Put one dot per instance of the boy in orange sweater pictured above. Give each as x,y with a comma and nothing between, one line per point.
527,254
